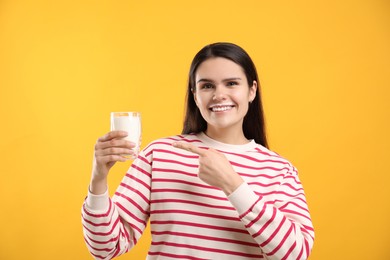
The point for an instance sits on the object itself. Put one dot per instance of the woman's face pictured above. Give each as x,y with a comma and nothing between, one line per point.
222,93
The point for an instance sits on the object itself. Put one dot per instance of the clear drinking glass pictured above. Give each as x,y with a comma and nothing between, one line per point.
131,123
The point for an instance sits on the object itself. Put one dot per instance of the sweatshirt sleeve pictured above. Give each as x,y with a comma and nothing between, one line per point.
112,227
282,228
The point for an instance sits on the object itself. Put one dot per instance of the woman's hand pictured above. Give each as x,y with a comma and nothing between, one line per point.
109,149
214,168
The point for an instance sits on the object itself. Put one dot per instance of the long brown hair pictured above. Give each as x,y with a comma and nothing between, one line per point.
253,125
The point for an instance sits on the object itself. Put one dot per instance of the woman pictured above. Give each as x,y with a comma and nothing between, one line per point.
213,192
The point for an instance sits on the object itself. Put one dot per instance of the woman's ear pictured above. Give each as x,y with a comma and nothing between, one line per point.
194,95
252,91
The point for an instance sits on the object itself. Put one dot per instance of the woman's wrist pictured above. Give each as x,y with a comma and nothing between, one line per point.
232,185
98,187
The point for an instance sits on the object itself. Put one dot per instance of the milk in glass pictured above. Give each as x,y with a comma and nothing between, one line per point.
131,123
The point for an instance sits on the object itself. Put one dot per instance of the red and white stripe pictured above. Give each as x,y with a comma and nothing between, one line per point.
265,218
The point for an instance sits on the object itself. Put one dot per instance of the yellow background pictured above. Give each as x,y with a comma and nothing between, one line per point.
65,65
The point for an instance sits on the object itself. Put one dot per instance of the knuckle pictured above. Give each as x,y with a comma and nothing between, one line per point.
112,142
110,134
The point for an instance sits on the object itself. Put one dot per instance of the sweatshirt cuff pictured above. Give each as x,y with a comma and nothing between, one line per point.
98,202
243,198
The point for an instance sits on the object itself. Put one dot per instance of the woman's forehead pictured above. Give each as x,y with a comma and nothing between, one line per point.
219,68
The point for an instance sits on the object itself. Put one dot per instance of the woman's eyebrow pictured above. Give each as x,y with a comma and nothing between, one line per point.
230,79
204,80
224,80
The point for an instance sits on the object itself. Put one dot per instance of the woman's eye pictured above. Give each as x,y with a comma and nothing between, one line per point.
232,83
207,86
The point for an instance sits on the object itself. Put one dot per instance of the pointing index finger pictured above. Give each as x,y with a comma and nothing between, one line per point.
189,147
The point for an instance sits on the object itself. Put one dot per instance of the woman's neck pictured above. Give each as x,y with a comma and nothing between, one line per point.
227,136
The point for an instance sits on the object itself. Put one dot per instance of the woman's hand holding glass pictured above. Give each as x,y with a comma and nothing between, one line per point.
109,149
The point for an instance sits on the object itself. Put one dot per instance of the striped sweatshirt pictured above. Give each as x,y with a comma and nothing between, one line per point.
266,217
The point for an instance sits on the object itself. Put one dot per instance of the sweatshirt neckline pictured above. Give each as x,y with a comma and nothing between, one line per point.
208,141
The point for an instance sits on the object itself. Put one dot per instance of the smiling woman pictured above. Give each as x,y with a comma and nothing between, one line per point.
215,191
239,63
222,95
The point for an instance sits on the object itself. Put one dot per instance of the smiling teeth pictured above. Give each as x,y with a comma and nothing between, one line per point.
219,109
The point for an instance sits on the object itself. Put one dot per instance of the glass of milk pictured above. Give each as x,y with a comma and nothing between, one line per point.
131,123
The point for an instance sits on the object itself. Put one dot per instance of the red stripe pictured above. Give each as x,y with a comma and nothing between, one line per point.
296,213
190,192
292,187
295,204
307,231
258,168
276,231
138,180
281,161
142,158
191,224
135,191
175,256
257,217
307,247
103,224
300,199
103,242
266,224
279,201
274,155
294,178
168,143
194,213
261,175
300,253
132,202
191,202
208,249
282,242
308,227
181,234
97,249
289,251
101,233
250,209
185,182
141,170
127,235
263,184
156,143
176,162
174,153
183,138
100,224
118,248
262,194
289,195
141,221
175,171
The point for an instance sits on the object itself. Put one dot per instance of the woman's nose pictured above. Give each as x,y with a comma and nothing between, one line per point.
219,93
